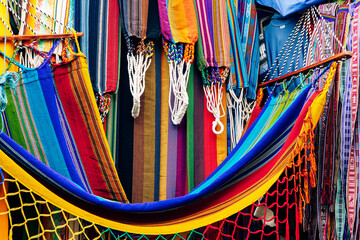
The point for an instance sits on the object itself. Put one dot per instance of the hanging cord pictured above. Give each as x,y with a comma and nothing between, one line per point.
139,61
286,49
180,57
214,78
239,110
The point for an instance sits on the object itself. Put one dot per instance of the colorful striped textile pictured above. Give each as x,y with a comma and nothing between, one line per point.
140,28
244,69
179,29
66,109
215,62
75,94
33,121
101,24
8,50
164,161
235,189
244,34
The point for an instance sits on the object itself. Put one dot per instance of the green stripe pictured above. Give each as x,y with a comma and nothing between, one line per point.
13,121
190,132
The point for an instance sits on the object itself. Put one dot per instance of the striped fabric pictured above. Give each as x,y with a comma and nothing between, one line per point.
178,21
38,124
49,125
100,23
239,71
135,16
166,161
214,31
235,189
73,87
244,34
214,57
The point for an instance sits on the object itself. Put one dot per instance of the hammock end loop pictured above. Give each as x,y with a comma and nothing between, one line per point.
216,123
135,111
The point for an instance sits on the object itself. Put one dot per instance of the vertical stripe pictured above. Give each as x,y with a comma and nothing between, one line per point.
171,159
221,139
158,66
190,143
199,108
164,125
112,46
180,188
210,149
126,128
149,133
138,155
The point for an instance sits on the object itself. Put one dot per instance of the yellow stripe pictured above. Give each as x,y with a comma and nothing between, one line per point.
149,133
164,124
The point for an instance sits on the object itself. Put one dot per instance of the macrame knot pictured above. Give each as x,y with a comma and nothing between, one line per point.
139,60
213,79
180,56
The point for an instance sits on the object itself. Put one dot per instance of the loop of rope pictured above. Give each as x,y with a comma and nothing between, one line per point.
214,93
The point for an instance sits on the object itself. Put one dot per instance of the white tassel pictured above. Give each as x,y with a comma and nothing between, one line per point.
137,67
179,77
242,108
214,93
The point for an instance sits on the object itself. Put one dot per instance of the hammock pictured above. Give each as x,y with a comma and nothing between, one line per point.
243,177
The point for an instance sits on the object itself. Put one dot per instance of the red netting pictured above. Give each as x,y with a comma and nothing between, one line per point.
279,213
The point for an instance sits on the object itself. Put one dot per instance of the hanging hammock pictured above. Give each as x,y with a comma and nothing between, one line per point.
179,30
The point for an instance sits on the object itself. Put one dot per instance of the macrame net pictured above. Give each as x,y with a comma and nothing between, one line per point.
180,57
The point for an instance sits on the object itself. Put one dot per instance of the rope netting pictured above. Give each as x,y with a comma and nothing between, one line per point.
279,214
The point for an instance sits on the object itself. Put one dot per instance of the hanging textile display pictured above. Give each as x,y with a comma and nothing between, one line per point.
244,69
179,30
215,44
188,153
140,25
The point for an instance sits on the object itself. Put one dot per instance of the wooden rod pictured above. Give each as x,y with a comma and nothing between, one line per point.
41,36
341,56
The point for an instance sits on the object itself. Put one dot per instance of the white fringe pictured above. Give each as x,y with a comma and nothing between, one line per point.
137,67
242,108
179,77
214,94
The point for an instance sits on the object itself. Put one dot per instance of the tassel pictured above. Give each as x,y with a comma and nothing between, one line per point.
213,84
180,60
138,64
